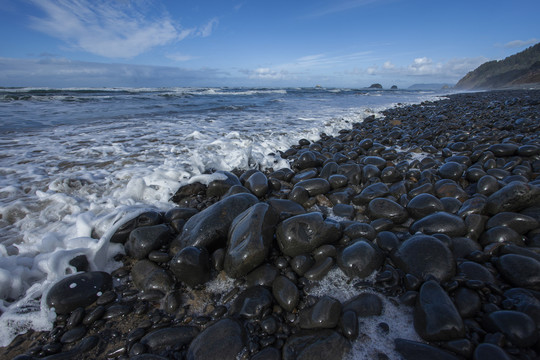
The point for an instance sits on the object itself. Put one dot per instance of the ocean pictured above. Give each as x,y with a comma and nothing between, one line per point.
75,163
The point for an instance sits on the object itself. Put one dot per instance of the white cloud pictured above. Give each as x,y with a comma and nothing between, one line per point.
180,57
111,29
521,43
266,73
207,29
388,65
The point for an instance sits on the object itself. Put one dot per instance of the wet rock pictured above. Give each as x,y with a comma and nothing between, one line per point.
467,302
487,185
349,324
315,345
364,305
324,314
423,255
412,350
286,207
515,196
250,237
516,221
474,205
171,337
423,205
223,340
263,275
463,246
501,150
268,353
360,259
148,218
147,276
440,223
191,265
302,263
518,327
344,211
382,208
451,170
337,181
359,230
371,192
220,187
73,335
188,190
257,184
209,227
285,293
78,290
143,240
315,186
448,188
304,233
487,351
320,269
520,271
251,303
435,316
475,271
307,159
501,234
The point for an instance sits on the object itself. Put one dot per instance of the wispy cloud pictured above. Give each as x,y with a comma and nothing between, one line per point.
424,67
520,43
266,73
339,6
113,29
207,29
179,57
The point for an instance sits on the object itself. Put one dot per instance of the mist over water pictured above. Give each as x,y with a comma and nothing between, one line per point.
77,160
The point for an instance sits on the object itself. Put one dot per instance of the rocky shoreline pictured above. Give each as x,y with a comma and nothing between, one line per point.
433,208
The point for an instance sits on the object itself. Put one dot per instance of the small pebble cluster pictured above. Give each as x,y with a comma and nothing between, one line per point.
435,207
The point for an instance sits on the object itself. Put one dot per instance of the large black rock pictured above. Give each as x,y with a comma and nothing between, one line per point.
315,345
223,340
78,290
209,227
435,316
304,233
250,238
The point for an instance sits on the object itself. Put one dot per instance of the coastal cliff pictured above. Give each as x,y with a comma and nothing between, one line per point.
514,71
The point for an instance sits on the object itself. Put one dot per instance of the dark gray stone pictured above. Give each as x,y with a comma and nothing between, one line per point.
423,255
360,259
288,207
487,351
520,271
324,314
359,230
382,208
451,170
191,265
518,327
516,221
223,340
171,337
285,293
487,185
412,350
252,302
147,276
304,233
315,345
209,227
435,316
440,223
257,183
501,234
250,237
220,187
364,305
78,290
143,240
315,186
515,196
371,192
423,205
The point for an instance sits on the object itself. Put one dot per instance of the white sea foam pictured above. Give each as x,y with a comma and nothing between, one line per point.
371,340
70,170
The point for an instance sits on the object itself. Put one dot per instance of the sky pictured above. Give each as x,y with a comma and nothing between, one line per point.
337,43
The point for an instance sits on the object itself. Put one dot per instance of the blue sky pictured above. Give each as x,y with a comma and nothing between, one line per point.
341,43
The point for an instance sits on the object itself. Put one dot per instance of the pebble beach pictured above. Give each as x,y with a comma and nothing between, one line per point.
412,235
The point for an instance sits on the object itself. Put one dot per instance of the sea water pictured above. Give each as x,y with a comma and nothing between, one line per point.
77,163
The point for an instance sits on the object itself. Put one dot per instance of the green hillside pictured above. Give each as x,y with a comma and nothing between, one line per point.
521,68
